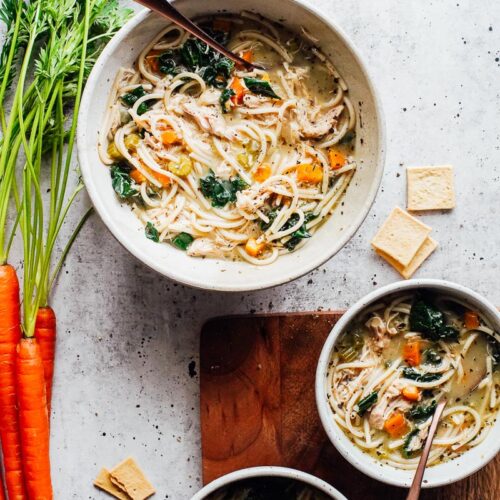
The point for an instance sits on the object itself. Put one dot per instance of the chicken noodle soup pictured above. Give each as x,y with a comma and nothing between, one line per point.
225,162
397,361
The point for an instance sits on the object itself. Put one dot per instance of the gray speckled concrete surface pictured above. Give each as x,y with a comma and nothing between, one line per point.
127,336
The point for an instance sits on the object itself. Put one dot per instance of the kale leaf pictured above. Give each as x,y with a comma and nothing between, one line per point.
300,233
197,57
430,321
224,99
151,232
121,181
406,452
271,215
432,357
412,374
260,87
131,97
422,412
183,240
366,403
168,64
221,191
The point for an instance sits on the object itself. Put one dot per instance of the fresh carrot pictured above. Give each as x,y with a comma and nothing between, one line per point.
169,137
471,319
253,248
411,393
337,159
153,60
309,172
2,493
10,333
239,90
411,353
395,425
34,419
45,334
247,55
262,173
137,176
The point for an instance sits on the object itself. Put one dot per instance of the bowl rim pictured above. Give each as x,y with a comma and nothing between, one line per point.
273,471
84,117
334,433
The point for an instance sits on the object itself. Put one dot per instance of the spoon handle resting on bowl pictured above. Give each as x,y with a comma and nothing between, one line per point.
416,485
164,8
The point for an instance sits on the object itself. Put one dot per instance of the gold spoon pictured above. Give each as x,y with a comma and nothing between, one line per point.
416,485
165,9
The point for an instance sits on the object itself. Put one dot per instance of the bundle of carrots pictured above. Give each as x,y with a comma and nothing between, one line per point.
52,44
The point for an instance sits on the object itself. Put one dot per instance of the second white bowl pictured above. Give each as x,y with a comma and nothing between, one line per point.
437,475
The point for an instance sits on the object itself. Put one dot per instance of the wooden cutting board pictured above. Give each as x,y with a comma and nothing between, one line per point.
258,407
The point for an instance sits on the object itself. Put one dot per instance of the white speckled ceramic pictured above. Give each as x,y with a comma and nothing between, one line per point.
437,475
266,472
220,274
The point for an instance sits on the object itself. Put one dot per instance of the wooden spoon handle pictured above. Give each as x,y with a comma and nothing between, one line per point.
416,485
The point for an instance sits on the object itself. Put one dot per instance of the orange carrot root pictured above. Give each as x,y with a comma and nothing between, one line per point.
45,334
33,419
10,333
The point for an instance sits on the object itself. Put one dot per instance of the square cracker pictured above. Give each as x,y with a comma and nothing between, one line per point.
400,236
103,482
430,188
129,477
423,252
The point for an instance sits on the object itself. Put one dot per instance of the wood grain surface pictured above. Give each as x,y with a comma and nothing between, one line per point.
258,407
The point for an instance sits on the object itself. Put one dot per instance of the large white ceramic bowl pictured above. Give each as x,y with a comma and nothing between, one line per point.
220,274
269,471
437,475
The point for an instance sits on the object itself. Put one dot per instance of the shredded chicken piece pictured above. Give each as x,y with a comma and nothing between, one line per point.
417,441
378,328
209,119
204,247
250,200
379,412
209,98
322,124
255,101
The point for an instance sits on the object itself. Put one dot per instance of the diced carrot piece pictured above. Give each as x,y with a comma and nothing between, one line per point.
411,393
262,173
337,159
253,248
221,25
395,425
247,55
411,353
153,61
239,90
164,180
169,137
471,319
137,176
309,172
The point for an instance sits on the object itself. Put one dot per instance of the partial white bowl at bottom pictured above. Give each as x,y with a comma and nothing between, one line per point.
269,471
